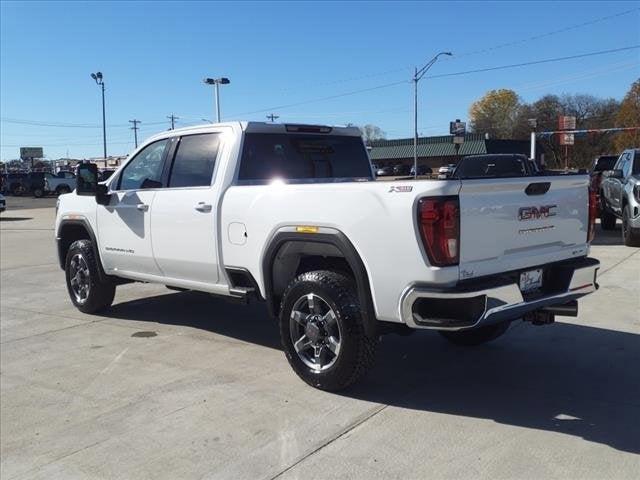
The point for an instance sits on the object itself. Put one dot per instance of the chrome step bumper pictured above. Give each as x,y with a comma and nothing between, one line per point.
495,299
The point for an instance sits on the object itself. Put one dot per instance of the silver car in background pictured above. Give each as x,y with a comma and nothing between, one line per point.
620,197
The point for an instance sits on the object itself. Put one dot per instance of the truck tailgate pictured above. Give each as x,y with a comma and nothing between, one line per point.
513,223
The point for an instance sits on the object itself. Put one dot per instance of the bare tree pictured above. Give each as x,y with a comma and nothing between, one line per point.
372,132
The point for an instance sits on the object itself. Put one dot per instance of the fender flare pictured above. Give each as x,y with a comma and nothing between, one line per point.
342,243
87,227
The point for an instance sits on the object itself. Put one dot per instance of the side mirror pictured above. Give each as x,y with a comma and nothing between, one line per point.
615,174
87,179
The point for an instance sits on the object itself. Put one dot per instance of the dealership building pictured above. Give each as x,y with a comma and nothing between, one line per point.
438,151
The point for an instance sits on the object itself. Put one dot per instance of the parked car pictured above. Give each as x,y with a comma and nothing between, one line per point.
384,171
446,170
3,203
401,170
600,165
62,182
620,197
422,170
291,215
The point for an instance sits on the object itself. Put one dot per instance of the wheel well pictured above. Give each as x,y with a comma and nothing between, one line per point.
291,254
295,257
69,233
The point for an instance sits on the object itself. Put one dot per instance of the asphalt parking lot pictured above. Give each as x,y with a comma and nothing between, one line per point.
180,385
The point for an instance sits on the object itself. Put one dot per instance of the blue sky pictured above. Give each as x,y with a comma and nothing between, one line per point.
278,54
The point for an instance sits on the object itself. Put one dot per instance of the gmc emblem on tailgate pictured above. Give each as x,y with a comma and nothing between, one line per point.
536,213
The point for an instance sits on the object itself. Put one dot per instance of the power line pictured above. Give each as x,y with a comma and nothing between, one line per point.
483,50
536,62
42,123
547,34
467,72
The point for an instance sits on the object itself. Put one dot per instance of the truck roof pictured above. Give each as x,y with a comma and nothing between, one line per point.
267,127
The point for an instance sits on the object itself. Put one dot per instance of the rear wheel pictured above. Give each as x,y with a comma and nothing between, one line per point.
607,219
38,192
16,189
87,291
476,336
630,236
322,330
62,189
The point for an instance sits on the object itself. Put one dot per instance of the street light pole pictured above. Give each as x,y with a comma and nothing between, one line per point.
99,81
417,75
217,82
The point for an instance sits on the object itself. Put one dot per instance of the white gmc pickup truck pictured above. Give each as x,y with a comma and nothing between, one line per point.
292,215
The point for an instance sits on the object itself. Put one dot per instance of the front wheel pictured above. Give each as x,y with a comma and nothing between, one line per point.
476,336
322,330
630,236
38,192
87,291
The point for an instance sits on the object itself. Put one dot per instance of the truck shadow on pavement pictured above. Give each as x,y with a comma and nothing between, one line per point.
608,237
567,378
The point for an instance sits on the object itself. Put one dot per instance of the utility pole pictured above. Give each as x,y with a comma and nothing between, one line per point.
417,75
173,119
273,117
135,129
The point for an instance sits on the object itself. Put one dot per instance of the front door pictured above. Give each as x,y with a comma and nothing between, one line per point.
124,226
184,215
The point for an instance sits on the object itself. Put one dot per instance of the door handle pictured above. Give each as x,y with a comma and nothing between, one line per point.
143,207
203,207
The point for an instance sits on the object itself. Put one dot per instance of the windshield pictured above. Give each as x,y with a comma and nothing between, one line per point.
268,156
605,163
491,166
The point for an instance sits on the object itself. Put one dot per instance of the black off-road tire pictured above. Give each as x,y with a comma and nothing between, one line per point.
476,336
607,219
357,350
630,236
101,293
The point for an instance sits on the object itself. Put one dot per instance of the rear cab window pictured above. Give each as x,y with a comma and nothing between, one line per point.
493,166
303,158
194,161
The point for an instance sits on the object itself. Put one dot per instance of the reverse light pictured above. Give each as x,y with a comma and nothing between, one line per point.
593,213
439,224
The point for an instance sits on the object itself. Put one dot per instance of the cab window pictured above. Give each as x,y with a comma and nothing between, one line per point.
145,169
194,161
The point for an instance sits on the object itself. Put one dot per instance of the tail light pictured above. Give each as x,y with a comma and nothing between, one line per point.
593,213
439,224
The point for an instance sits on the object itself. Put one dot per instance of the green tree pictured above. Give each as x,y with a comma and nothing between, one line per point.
629,116
498,113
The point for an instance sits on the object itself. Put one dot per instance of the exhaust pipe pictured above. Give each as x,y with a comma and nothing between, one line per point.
569,309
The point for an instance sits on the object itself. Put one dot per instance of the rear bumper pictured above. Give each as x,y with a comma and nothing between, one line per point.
497,298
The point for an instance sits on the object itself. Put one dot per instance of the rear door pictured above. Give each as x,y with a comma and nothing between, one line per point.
184,214
513,223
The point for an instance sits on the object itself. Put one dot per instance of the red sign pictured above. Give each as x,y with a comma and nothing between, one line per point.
566,122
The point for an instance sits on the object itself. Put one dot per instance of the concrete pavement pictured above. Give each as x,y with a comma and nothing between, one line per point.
181,385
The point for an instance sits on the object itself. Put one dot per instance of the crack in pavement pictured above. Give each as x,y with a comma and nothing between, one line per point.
332,439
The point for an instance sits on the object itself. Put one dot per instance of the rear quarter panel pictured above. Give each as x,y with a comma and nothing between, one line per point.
377,219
